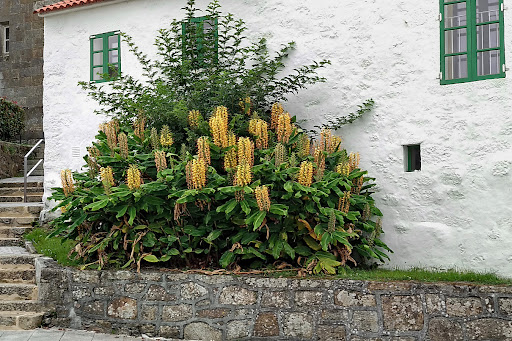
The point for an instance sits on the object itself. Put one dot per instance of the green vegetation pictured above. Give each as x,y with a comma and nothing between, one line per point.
57,248
12,120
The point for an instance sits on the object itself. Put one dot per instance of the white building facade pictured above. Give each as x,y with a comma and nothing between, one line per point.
456,212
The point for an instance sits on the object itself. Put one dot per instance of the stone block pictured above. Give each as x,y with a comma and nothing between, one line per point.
271,283
92,277
308,298
94,308
346,298
489,329
201,331
134,288
80,292
463,307
311,283
390,286
149,329
173,313
331,333
298,325
442,329
266,325
402,312
335,315
150,276
213,313
495,289
237,329
505,305
191,290
123,308
110,276
365,321
170,332
104,291
435,304
149,312
276,299
236,295
158,293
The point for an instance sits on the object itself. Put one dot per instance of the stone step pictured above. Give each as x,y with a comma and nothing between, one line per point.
23,306
7,241
31,197
8,208
20,183
18,259
16,220
19,190
16,292
14,231
17,273
18,320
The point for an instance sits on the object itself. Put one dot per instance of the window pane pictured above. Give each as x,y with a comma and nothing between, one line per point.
96,73
7,33
455,15
455,41
488,36
113,42
113,56
97,59
113,70
97,44
488,63
487,10
456,67
7,46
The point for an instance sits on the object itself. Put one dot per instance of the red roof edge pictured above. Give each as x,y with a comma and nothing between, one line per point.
64,5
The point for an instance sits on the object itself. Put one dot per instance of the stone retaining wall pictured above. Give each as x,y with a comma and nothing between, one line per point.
254,308
11,159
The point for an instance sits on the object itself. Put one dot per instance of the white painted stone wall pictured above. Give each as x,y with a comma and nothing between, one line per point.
455,213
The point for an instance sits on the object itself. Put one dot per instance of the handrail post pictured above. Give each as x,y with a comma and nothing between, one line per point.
25,168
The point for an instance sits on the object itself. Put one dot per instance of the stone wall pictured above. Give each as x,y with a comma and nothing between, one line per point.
11,159
189,306
21,71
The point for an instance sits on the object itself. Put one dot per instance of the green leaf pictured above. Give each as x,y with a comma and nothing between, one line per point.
151,259
288,186
245,207
122,211
227,258
279,209
213,235
173,252
132,212
312,243
258,220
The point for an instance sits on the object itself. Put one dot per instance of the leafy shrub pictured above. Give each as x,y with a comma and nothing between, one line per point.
224,69
12,120
240,201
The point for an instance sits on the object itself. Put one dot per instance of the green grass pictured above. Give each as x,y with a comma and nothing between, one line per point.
415,274
55,247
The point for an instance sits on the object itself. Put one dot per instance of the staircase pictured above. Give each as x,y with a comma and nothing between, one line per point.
37,155
19,308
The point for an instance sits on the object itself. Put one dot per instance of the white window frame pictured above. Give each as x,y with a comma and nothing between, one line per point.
5,40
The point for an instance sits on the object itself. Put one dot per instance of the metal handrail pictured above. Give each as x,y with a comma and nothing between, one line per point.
25,168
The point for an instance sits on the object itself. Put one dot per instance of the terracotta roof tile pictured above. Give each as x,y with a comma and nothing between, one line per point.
65,4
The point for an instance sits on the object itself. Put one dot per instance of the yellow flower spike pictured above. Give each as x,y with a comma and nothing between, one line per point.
166,139
160,160
277,110
305,173
203,149
196,174
336,144
107,178
262,198
280,154
139,126
66,178
194,118
230,159
331,225
133,177
319,157
284,128
259,129
155,140
110,131
243,176
219,127
304,146
353,160
246,151
123,145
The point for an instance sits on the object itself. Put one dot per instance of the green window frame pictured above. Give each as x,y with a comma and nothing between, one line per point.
198,25
105,56
481,24
412,155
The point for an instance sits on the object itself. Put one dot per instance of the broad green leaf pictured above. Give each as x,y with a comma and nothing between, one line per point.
122,211
213,235
132,212
151,259
258,220
227,258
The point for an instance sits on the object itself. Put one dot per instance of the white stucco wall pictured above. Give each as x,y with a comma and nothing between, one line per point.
455,212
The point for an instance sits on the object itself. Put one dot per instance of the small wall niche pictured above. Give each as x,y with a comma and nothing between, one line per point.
412,157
